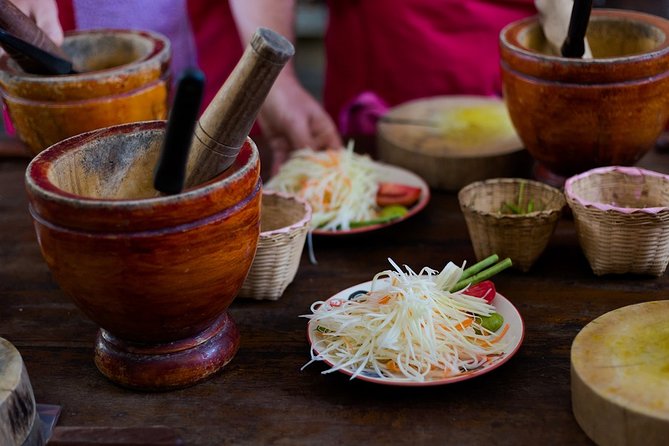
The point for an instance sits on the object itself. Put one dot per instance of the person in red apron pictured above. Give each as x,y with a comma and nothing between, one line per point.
379,53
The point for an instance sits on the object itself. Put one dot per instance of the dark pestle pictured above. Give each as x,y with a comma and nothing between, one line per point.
574,44
170,171
32,59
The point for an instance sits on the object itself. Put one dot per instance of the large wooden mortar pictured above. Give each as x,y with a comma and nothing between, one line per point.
123,77
576,114
156,273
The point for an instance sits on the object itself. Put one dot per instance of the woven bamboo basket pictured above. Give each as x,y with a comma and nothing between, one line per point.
621,216
284,223
521,237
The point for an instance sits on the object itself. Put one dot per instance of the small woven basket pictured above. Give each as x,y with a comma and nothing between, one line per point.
621,216
284,223
521,237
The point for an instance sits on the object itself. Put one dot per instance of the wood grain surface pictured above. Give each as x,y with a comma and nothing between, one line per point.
263,396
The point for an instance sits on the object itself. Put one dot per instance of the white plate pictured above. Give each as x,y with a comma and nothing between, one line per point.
503,306
390,174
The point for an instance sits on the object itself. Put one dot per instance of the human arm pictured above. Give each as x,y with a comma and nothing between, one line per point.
290,118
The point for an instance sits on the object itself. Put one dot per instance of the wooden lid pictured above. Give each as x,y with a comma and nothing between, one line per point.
620,376
17,403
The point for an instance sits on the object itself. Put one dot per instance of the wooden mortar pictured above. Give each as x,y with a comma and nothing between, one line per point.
123,77
156,273
576,114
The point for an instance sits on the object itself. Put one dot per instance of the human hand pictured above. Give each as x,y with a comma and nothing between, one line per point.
291,118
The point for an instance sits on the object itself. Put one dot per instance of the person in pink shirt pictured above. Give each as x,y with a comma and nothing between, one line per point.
202,33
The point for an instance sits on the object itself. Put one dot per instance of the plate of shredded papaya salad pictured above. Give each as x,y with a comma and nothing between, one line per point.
349,192
424,328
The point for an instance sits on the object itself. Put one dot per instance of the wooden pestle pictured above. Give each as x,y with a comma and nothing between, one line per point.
226,122
15,22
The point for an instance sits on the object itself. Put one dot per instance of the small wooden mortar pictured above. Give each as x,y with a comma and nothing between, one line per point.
576,114
156,273
123,77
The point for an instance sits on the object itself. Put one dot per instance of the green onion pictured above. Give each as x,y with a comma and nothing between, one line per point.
524,205
483,275
483,264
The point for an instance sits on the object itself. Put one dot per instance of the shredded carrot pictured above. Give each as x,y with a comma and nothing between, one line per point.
501,335
464,324
392,366
385,299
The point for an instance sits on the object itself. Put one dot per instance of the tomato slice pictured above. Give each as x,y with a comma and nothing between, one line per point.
395,193
485,290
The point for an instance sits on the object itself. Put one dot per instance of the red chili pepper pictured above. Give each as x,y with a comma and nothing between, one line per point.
485,290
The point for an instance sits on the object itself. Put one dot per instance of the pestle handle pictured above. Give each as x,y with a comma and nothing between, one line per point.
226,122
574,44
33,59
15,22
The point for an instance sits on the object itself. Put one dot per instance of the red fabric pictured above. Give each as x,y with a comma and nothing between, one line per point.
402,50
66,14
217,40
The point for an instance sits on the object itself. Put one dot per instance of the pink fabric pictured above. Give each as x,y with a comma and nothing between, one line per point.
9,127
401,50
359,117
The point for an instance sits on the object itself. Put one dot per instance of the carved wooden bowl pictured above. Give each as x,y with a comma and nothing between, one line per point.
123,77
156,273
576,114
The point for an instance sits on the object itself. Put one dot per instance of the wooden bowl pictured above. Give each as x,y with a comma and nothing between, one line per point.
451,141
576,114
156,273
123,77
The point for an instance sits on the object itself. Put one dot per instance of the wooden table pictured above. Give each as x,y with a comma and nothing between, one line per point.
263,396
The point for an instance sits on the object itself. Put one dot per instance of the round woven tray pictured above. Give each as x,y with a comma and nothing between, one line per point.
521,237
284,223
621,216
